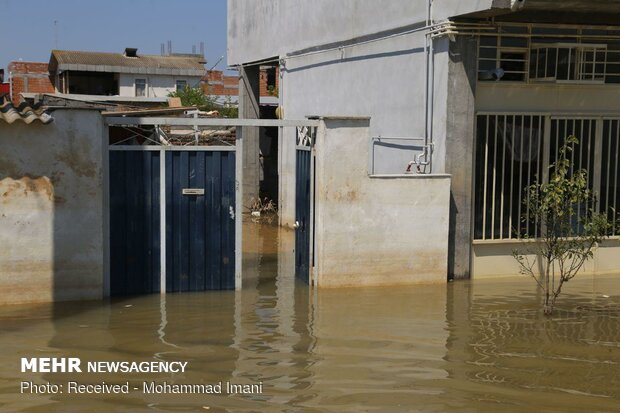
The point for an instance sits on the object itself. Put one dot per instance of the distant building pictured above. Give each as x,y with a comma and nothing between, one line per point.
28,77
226,87
124,74
4,87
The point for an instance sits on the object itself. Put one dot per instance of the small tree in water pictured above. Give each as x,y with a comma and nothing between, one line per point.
570,227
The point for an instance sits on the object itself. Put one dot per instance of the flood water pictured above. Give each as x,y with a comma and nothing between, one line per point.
478,346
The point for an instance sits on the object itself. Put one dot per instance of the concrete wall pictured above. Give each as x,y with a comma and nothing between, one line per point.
373,230
157,86
260,29
51,228
494,259
512,97
386,79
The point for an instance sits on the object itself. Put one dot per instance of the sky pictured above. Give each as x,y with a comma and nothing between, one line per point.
29,33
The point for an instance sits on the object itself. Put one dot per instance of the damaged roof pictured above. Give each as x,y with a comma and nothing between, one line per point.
184,65
24,112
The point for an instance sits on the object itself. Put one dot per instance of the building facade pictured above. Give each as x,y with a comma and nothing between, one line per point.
126,74
485,91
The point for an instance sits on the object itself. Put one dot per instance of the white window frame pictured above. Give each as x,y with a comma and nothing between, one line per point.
176,84
578,49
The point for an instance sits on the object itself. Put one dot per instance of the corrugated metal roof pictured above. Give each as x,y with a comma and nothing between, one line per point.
191,65
23,112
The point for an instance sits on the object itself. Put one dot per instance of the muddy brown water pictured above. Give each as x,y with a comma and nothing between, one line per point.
478,346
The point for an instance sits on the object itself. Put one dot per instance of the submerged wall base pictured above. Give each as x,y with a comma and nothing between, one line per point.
374,230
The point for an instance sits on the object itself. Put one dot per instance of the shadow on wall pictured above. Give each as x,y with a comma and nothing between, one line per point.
51,217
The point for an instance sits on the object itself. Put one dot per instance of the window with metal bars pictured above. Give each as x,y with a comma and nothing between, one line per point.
533,54
609,198
509,155
565,62
514,151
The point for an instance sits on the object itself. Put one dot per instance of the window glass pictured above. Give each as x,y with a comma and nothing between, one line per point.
140,87
181,84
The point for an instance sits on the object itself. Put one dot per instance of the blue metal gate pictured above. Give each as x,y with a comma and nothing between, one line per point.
200,220
303,221
134,222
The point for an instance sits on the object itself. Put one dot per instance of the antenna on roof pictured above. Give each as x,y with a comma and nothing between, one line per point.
55,34
202,48
163,50
217,63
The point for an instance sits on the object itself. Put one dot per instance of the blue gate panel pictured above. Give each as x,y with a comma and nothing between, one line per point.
200,227
302,215
134,222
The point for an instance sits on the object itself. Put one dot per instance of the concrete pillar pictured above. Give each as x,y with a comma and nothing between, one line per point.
249,98
460,141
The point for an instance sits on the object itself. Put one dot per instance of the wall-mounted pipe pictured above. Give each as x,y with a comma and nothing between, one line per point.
424,159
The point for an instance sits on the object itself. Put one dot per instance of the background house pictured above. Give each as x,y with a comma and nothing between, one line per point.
124,74
4,86
28,77
225,88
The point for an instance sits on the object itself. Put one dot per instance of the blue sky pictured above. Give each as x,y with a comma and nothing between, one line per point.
110,26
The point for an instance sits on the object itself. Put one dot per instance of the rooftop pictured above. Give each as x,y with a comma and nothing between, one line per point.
24,112
175,64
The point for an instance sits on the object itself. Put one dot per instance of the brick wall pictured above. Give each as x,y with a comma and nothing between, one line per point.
269,77
29,77
219,84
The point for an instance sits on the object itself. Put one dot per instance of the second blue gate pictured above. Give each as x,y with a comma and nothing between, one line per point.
303,202
200,220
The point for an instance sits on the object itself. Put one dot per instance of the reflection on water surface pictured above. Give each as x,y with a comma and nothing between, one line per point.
466,347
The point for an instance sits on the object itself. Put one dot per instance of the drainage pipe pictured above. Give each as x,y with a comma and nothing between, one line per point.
424,159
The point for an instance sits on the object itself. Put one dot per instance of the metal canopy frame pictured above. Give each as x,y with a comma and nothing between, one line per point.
132,121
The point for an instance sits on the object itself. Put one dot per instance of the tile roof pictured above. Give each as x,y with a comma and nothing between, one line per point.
24,112
192,65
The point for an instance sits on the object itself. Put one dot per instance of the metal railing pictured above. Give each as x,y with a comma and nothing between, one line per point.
514,151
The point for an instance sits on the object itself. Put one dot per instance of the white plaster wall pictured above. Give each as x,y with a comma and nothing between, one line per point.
51,228
260,29
371,230
157,85
384,79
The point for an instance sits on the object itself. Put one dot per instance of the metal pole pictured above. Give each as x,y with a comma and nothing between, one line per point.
238,208
162,220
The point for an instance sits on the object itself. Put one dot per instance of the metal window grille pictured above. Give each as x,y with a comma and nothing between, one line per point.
548,53
514,151
509,153
562,62
609,198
